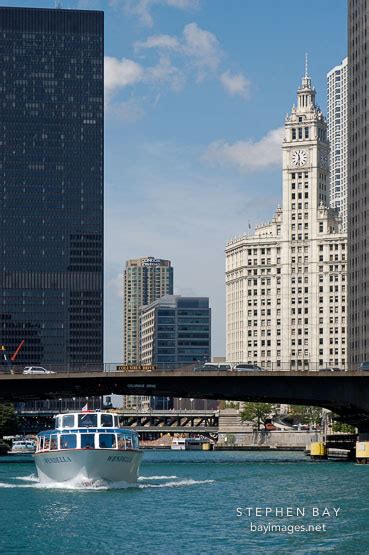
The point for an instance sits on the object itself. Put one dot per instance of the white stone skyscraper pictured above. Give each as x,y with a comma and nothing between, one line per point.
337,103
286,284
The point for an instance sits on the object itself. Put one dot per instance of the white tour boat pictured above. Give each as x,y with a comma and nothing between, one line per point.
23,446
89,446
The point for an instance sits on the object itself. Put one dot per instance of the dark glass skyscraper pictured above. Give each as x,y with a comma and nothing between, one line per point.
358,186
51,175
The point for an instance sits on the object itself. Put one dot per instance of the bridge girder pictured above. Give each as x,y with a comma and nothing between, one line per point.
345,393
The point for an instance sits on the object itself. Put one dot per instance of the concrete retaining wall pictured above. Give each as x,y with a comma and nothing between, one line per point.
272,439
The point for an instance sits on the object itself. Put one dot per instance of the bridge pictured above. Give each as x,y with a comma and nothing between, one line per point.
345,393
145,422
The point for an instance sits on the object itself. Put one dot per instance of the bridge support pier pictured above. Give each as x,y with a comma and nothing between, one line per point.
318,450
362,448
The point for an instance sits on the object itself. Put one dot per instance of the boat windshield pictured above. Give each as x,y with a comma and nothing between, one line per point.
107,441
68,441
87,441
68,421
106,420
87,420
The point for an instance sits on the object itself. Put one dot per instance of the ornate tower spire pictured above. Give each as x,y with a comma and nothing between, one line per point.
306,93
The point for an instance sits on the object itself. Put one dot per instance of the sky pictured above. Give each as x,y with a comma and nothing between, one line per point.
196,92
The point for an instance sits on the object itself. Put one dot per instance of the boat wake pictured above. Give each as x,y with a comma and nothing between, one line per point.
82,483
180,483
144,478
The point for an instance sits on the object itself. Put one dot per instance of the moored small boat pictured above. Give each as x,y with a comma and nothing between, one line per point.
191,444
88,446
23,446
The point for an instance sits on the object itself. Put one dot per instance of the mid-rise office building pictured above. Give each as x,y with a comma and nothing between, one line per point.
175,331
286,284
358,186
51,175
337,102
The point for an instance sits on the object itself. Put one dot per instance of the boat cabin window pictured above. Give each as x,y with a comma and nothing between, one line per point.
68,421
68,441
124,442
106,420
87,420
57,422
107,441
53,443
87,441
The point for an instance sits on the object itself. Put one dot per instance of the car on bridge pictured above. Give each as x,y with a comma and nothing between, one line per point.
36,370
364,365
246,367
209,366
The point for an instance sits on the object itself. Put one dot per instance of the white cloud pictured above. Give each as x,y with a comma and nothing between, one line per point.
159,41
121,73
198,47
192,56
142,8
165,72
202,47
235,84
248,155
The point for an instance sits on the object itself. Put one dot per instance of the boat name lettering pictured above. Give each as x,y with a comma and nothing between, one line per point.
141,385
57,460
117,458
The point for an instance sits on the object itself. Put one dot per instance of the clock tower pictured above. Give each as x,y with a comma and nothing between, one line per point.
305,165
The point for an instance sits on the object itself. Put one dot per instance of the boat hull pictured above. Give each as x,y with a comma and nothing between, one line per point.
92,465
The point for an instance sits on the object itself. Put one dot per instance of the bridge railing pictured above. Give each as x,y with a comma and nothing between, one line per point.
88,367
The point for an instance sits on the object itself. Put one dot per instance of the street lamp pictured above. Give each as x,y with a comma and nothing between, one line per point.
180,403
192,400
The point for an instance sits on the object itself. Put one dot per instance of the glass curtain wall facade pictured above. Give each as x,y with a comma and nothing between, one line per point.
51,172
175,331
358,187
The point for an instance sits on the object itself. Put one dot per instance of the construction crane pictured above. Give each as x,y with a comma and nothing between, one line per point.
4,355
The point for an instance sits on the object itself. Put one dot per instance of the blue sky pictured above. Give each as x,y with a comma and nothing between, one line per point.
196,95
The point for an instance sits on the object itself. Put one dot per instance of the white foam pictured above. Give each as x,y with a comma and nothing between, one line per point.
179,484
143,478
82,483
30,478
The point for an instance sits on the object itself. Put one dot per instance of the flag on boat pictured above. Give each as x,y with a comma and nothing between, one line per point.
85,407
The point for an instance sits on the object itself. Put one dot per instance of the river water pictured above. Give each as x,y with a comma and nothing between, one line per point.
194,503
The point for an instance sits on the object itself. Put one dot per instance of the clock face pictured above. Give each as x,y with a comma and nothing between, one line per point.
299,158
324,158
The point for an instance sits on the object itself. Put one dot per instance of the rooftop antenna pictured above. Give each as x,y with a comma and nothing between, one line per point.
57,4
306,65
